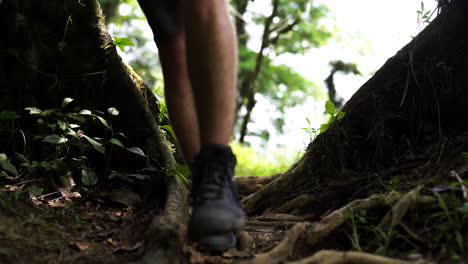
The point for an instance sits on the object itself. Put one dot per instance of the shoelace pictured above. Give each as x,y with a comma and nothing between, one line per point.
212,185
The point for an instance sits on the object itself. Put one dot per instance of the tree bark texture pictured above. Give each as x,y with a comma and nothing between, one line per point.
57,49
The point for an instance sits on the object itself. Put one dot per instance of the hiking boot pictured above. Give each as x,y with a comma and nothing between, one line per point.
219,242
216,210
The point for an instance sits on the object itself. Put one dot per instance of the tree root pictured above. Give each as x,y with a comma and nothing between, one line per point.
251,184
312,233
399,210
167,232
294,205
349,257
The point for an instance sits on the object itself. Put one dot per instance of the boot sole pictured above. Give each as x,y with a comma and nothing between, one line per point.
214,221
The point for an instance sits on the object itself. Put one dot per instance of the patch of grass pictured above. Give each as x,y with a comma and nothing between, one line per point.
251,163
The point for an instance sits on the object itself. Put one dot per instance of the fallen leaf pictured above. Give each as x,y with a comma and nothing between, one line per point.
112,242
82,246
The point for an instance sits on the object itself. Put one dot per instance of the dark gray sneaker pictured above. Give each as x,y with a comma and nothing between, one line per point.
218,242
216,210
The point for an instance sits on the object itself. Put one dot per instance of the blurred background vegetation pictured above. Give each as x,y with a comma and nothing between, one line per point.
272,88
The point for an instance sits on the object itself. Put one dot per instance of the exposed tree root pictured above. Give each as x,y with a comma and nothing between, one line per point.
279,217
295,205
349,257
167,232
312,233
399,210
251,184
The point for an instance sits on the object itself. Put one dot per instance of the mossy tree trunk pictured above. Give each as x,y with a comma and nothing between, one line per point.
57,49
52,49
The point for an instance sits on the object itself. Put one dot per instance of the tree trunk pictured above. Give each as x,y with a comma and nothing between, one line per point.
408,116
55,49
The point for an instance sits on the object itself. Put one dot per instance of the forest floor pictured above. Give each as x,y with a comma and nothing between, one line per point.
99,226
92,227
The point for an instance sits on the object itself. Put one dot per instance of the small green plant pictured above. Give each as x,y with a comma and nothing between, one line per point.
5,164
66,144
335,114
313,132
423,15
181,171
121,43
355,219
164,116
64,130
450,221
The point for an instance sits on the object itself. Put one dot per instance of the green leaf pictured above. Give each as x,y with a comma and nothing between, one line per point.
182,171
113,111
330,107
464,155
88,177
33,110
341,114
121,134
55,139
85,112
74,126
324,127
122,42
137,151
104,122
49,112
96,145
62,124
66,101
22,157
45,164
5,114
6,165
35,190
170,129
3,157
117,142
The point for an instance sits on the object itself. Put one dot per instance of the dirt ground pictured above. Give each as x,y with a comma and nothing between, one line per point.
72,227
426,225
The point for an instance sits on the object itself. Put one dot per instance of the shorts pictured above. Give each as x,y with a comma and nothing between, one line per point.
164,16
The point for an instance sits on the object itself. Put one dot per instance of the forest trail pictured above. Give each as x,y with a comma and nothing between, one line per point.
103,226
108,225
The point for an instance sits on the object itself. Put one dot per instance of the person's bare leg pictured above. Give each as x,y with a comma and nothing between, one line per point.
178,91
212,62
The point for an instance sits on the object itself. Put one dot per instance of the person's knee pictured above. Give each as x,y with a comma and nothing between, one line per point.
204,9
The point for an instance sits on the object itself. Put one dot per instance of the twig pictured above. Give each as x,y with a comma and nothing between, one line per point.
463,187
